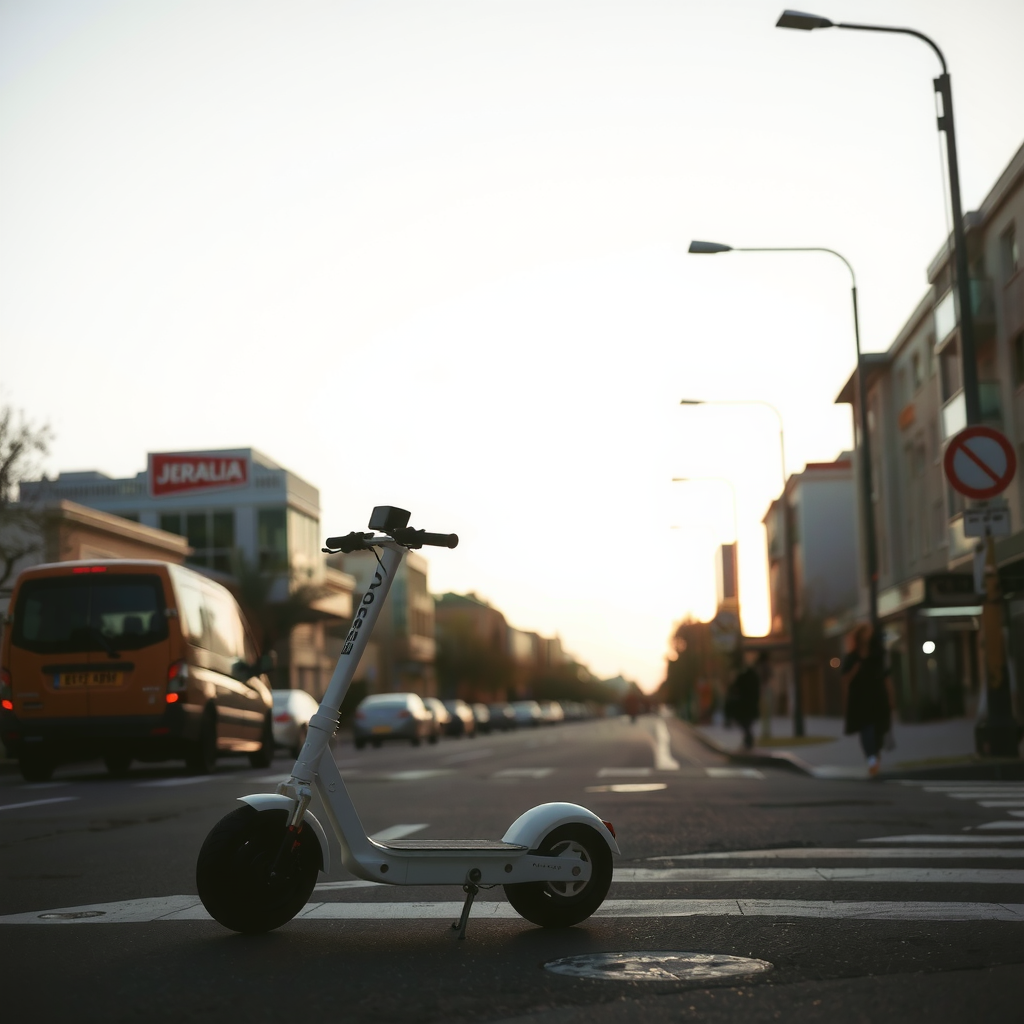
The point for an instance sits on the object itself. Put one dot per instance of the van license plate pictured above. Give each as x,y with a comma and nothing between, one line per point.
98,677
380,729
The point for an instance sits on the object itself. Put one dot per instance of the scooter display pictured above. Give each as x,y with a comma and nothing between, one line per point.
259,864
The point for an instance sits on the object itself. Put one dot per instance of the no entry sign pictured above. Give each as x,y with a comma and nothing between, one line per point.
980,462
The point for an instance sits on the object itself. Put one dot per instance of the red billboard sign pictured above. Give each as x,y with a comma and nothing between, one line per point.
179,474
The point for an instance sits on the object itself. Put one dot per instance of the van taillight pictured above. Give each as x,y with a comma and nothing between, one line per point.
177,678
89,568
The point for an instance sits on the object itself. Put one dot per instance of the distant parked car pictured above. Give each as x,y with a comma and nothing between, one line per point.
482,714
528,712
462,722
442,716
503,717
292,711
392,716
552,712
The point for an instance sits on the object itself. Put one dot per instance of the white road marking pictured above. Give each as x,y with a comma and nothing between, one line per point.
189,908
663,759
1004,826
734,773
853,853
42,785
467,755
184,780
629,787
904,876
397,832
839,771
37,803
523,773
1001,803
415,775
985,794
613,773
943,839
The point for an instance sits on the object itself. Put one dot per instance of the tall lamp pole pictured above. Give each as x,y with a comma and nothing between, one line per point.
787,530
799,20
870,537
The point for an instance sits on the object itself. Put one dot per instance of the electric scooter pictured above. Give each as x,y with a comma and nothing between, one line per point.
259,864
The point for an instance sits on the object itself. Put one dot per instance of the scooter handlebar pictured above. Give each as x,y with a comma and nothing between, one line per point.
406,535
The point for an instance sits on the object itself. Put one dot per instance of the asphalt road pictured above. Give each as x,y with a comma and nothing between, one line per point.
770,865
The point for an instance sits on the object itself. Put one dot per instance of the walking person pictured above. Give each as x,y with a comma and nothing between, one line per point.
868,711
744,701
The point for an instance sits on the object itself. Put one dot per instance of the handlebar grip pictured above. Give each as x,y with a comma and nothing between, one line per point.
441,540
350,542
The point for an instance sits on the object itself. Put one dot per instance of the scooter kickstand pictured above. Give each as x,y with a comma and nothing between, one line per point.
460,926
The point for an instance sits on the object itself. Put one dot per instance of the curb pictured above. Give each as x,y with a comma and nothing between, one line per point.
997,769
781,759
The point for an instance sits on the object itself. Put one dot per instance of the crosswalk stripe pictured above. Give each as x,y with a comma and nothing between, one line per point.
733,773
853,853
1004,826
905,876
943,839
523,773
397,832
625,773
189,908
1001,803
37,803
183,780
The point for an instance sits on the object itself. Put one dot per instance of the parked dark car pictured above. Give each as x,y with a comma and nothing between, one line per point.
392,716
503,717
482,715
442,716
462,721
528,712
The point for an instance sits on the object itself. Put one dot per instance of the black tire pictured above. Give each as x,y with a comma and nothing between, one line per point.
359,744
202,758
36,767
233,873
118,764
264,757
433,737
563,904
415,740
376,744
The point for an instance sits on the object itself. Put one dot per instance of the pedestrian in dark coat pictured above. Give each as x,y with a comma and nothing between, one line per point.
868,711
744,702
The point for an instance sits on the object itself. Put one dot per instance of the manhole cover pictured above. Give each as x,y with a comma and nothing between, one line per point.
76,916
640,965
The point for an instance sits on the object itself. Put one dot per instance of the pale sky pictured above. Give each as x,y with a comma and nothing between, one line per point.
432,253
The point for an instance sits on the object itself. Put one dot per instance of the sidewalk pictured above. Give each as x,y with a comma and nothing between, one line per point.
940,750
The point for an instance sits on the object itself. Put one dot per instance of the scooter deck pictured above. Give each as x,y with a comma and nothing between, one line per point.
460,845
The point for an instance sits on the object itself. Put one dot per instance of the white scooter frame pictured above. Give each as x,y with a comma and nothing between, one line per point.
565,871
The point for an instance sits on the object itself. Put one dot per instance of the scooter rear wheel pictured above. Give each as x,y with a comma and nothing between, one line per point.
251,876
561,904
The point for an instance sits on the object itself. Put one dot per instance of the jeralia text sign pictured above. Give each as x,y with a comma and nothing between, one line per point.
177,474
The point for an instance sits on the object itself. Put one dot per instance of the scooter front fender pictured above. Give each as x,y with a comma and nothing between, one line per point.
279,802
530,828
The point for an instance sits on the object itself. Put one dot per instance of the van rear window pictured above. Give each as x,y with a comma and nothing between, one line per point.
69,614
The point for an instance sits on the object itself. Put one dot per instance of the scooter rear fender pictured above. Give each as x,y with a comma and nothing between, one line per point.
530,828
279,802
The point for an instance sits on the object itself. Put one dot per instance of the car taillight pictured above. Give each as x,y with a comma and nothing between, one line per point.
283,717
88,568
608,825
177,679
403,714
173,698
360,715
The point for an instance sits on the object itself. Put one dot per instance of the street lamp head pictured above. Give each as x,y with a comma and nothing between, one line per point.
797,19
708,247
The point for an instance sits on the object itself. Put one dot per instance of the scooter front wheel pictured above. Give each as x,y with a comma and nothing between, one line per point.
252,875
563,903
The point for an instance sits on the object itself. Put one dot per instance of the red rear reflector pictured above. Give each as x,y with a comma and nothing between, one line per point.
172,698
7,705
608,825
282,718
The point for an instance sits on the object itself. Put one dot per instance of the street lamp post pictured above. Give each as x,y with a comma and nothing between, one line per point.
787,530
799,20
870,539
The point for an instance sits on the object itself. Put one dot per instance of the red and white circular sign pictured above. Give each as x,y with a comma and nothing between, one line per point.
980,462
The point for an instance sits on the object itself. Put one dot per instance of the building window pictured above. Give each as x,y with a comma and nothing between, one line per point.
272,534
1009,252
1018,359
951,370
917,371
210,534
929,356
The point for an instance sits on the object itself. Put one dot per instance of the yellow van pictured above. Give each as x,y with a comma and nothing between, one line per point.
129,660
